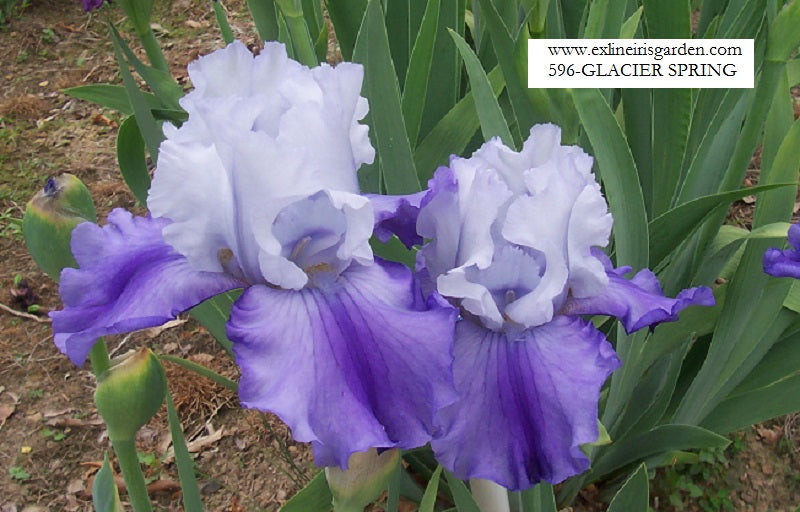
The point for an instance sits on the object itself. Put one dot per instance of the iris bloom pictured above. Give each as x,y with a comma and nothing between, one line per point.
786,263
258,190
514,241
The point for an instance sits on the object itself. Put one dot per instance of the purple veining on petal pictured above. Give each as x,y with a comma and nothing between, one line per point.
128,279
786,263
345,366
527,404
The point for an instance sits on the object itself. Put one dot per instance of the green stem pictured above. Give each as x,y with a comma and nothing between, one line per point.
222,21
99,357
132,472
298,31
153,50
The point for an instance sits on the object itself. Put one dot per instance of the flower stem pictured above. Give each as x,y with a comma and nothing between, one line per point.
132,473
489,496
99,358
153,50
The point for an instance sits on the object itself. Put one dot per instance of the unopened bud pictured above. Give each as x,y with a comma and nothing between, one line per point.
49,219
129,393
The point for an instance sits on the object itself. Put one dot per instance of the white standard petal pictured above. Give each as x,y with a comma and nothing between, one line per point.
179,193
250,150
539,211
224,72
482,196
540,222
589,226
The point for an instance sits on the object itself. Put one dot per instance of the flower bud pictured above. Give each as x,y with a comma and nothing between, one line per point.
49,219
366,477
129,393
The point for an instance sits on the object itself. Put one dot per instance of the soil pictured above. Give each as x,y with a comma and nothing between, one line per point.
51,438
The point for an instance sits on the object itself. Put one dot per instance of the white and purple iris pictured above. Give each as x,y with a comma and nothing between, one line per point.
258,190
513,244
786,263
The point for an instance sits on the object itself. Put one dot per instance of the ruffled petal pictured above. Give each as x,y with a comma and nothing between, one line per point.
345,367
128,279
439,221
638,302
397,215
263,133
459,216
785,263
526,404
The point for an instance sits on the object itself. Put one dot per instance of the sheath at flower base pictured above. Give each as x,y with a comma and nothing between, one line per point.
786,263
514,243
258,190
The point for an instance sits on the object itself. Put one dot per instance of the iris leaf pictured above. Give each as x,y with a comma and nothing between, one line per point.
538,499
671,228
315,496
657,440
110,96
429,498
381,88
151,132
213,314
265,18
189,489
633,496
617,171
452,134
461,495
202,370
131,158
416,81
493,124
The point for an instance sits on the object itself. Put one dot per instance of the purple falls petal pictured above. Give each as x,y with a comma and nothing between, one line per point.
785,263
128,279
527,404
356,365
397,215
638,302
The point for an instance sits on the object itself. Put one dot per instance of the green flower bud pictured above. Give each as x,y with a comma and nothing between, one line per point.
366,477
129,393
49,219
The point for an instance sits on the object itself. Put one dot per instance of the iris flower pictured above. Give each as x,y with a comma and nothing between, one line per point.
514,242
786,263
258,190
